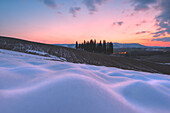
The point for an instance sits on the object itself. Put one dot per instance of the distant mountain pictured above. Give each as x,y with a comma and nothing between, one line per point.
128,45
157,47
115,45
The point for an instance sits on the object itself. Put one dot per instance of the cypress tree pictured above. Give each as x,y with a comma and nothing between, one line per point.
88,46
84,45
76,44
110,48
79,45
94,45
91,46
100,46
104,46
107,47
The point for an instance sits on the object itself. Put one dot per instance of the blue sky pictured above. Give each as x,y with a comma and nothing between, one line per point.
65,21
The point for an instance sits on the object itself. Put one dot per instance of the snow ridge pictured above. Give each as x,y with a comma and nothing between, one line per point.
36,84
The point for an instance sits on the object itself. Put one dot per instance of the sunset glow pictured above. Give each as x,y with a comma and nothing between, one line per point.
68,21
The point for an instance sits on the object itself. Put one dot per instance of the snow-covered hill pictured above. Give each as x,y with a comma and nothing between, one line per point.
79,56
37,84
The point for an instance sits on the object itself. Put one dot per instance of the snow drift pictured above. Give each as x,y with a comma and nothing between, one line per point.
36,84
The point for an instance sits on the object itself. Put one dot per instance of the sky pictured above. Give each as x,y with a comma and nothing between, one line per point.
66,21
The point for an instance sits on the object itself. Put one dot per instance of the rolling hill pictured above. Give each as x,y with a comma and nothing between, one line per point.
79,56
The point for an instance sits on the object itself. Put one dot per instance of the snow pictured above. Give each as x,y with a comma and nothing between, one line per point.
37,52
49,57
165,63
37,84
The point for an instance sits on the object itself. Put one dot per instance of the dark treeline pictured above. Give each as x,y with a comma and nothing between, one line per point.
92,46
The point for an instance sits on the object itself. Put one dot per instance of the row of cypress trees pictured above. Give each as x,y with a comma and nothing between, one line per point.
92,46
